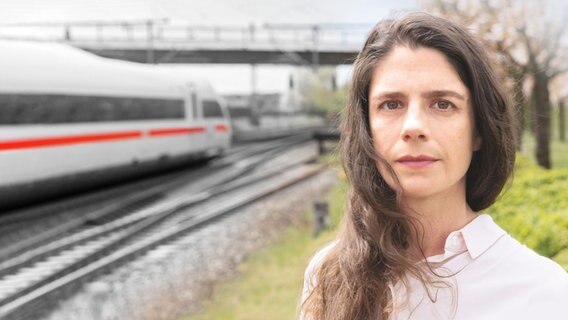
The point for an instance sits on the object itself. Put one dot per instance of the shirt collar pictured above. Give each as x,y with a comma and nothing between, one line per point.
474,238
480,234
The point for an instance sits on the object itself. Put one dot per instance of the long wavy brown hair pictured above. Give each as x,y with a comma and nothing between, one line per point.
352,281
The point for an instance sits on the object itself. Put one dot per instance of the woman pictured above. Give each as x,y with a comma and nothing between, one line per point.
427,144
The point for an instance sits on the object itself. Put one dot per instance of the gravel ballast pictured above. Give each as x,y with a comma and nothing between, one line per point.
174,279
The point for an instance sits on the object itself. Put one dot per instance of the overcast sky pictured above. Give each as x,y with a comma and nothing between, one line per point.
216,12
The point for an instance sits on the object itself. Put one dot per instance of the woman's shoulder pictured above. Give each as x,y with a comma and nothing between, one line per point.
510,255
310,279
542,282
317,259
533,261
543,272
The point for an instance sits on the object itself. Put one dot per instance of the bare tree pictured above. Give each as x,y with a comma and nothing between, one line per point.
561,120
503,44
545,59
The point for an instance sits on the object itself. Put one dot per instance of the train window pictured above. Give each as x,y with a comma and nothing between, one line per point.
173,109
212,109
239,112
43,109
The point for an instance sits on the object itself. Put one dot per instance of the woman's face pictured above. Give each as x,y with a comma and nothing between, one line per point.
421,122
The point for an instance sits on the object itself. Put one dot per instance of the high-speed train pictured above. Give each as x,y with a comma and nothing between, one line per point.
70,119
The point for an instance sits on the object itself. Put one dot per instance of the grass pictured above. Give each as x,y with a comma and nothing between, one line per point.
272,278
270,285
558,153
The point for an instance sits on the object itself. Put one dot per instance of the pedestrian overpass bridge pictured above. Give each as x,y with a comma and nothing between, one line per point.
160,42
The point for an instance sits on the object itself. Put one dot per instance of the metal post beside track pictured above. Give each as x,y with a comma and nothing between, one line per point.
321,216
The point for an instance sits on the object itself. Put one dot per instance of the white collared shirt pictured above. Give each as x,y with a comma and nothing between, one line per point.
491,276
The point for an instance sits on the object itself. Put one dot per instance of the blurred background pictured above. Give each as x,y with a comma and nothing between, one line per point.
290,57
170,159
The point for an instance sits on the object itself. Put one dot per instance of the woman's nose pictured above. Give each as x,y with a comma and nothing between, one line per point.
415,124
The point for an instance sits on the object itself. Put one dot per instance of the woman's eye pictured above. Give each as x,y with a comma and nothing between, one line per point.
390,105
443,105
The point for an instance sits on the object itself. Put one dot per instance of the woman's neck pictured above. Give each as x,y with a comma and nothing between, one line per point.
437,218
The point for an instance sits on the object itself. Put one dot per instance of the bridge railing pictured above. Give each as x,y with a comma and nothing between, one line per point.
155,34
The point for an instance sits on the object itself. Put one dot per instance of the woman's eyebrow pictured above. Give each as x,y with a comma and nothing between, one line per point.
429,94
443,93
388,95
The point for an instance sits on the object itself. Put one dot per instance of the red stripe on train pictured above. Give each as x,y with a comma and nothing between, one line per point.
65,140
221,128
175,131
98,137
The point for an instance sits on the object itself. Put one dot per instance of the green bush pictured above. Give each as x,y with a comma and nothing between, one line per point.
534,209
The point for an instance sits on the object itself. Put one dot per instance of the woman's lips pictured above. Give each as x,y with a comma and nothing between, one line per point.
417,162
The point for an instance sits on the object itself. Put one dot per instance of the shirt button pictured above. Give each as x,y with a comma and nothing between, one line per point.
454,243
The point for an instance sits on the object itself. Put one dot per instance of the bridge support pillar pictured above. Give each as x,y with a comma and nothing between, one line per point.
254,108
315,52
150,37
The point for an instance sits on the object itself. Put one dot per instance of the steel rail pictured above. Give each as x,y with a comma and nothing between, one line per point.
144,216
87,213
23,305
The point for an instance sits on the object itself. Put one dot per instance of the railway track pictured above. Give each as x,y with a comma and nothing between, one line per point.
24,228
32,278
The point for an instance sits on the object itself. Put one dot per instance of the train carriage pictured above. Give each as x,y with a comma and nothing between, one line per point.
70,119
